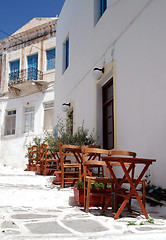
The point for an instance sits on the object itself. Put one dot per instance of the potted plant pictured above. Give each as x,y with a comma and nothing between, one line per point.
94,200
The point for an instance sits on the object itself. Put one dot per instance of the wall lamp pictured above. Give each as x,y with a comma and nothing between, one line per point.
65,107
97,73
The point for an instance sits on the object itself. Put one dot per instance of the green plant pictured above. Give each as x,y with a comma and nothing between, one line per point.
151,220
131,223
37,141
63,134
80,184
97,185
154,192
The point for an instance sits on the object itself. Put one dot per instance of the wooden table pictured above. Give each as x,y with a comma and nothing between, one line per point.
132,163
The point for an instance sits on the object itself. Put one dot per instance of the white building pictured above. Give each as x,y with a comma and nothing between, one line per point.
126,105
27,75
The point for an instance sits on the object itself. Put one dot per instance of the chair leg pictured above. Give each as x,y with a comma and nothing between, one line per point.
85,192
87,197
62,178
80,172
103,203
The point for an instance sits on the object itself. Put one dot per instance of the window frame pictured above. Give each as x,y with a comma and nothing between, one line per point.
11,117
31,120
103,6
32,69
14,73
46,109
66,52
100,7
50,62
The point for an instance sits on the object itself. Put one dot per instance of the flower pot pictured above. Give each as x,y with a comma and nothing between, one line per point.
28,167
38,171
94,200
31,167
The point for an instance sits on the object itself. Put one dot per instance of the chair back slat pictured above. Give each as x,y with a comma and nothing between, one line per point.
122,153
91,159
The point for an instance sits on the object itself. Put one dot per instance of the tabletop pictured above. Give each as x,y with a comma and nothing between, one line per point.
128,159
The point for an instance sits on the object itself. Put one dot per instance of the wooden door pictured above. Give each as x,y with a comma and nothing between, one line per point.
108,115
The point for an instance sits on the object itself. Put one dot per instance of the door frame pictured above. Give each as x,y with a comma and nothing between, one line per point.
109,73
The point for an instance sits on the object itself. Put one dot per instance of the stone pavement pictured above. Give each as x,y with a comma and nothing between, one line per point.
32,208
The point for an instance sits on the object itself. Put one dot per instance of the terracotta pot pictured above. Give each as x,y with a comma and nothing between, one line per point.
38,171
32,167
94,200
28,167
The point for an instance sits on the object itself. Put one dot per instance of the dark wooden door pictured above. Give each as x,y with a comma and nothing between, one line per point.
108,116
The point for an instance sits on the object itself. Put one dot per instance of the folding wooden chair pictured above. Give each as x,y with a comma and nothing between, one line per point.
49,162
69,165
89,156
33,158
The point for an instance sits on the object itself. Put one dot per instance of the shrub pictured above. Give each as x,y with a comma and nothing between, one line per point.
63,134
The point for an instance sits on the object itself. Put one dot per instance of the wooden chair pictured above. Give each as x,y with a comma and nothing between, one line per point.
33,157
92,157
89,156
123,153
49,162
69,165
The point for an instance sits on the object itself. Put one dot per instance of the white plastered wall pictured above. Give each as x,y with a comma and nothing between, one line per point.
136,43
140,73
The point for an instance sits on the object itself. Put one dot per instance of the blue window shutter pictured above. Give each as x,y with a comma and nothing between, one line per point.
14,70
32,67
67,54
103,6
51,59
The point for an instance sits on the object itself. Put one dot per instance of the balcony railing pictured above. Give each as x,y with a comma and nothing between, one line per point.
25,75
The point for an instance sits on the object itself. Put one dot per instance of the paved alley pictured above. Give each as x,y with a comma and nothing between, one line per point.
32,208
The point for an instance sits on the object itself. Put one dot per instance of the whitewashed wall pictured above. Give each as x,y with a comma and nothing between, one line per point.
13,147
89,47
141,88
133,34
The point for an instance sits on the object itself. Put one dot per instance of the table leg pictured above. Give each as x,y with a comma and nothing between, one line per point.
133,190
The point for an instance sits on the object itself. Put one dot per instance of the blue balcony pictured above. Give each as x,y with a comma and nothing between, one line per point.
24,75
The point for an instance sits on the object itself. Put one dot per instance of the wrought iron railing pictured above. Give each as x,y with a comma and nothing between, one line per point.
25,75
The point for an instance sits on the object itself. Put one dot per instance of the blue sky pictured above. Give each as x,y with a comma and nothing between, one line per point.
16,13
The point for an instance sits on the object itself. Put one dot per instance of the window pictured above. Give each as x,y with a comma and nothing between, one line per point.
14,70
99,8
48,116
29,119
50,59
33,67
103,6
66,54
108,116
10,122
